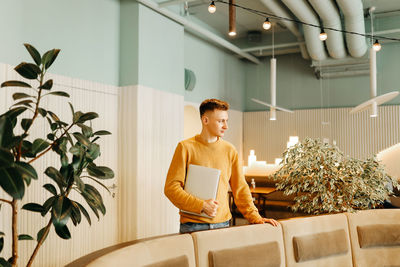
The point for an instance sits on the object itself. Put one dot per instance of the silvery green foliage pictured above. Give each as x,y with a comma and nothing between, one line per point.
324,180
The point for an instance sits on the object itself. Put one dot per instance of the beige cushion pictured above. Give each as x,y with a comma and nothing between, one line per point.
181,261
372,256
311,227
316,246
261,255
149,252
236,237
376,235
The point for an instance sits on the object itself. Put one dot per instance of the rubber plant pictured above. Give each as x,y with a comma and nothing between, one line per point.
324,180
73,142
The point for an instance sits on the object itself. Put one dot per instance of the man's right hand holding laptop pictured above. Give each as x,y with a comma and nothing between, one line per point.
210,207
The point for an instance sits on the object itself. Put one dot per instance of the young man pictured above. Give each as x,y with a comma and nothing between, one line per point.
209,150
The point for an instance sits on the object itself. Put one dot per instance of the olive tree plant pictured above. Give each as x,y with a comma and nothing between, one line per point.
74,143
324,180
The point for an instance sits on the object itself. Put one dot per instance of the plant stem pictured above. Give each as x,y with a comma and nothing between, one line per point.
14,233
39,244
6,201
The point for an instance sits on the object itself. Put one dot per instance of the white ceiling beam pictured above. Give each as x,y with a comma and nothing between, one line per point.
172,2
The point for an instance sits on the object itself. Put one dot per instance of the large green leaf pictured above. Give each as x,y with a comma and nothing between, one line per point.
4,263
51,188
27,171
26,123
27,149
49,57
93,151
61,230
85,213
6,158
28,70
17,96
39,145
87,116
42,112
61,209
81,139
96,197
54,174
47,85
79,183
1,244
86,130
33,207
41,233
101,172
75,214
34,54
11,181
25,237
48,204
58,93
102,132
16,84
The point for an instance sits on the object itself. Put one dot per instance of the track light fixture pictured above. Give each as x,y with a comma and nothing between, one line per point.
323,36
377,46
267,24
212,8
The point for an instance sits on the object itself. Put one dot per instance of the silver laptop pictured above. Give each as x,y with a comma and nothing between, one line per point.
202,182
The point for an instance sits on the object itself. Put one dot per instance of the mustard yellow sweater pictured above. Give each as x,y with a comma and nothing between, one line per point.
219,155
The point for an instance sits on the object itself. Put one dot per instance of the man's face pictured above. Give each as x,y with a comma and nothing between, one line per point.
216,122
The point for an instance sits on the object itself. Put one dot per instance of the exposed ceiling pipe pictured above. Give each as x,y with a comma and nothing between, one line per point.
277,9
268,47
354,22
330,17
304,12
199,31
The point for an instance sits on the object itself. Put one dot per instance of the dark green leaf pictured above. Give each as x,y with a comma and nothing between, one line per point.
61,209
81,139
39,145
28,70
87,116
98,182
17,96
51,136
54,174
76,150
27,149
15,112
24,237
6,158
61,230
41,233
12,182
27,171
64,160
53,116
49,57
3,262
72,108
102,133
101,172
79,183
42,112
24,102
59,93
34,54
76,116
48,204
86,130
1,233
61,123
1,245
53,126
51,188
93,152
26,123
95,196
33,207
47,85
85,213
75,213
16,84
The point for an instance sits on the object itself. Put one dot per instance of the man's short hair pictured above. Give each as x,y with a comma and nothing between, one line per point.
212,104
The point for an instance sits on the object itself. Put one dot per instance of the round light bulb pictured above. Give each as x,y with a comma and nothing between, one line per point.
323,36
377,46
267,24
212,8
232,33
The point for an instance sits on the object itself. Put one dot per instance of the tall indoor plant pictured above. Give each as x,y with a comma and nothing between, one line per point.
77,151
324,180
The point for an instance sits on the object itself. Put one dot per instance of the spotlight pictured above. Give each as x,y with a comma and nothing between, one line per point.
212,8
323,36
377,46
267,24
232,33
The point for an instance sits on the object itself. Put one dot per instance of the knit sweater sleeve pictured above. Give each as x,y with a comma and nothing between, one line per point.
241,193
175,182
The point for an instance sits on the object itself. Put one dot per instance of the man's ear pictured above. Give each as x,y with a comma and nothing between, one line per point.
204,119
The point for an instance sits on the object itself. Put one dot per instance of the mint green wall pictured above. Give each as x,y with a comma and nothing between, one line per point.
218,74
298,88
87,32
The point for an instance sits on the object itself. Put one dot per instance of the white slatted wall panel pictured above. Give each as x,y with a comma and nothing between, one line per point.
85,96
154,121
356,135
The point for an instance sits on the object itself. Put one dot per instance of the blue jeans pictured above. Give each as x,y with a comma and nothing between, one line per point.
194,227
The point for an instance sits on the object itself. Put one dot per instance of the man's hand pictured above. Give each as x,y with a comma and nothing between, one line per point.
210,207
270,221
